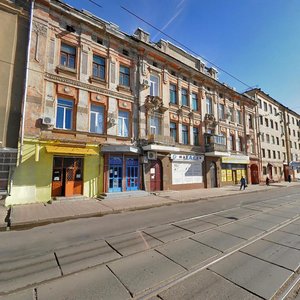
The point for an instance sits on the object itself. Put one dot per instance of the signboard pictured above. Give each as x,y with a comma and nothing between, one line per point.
187,157
235,160
187,172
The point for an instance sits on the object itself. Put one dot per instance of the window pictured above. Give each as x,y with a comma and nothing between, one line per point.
269,153
276,125
209,109
250,121
185,134
295,145
277,140
196,136
261,120
221,111
263,153
238,117
173,93
262,137
275,170
270,109
265,106
124,76
195,102
267,138
278,154
252,146
274,154
284,155
293,120
98,67
294,132
67,56
260,104
123,123
231,114
267,122
264,170
155,125
231,142
64,114
154,85
275,111
272,123
240,144
273,139
184,97
173,130
282,143
97,119
280,170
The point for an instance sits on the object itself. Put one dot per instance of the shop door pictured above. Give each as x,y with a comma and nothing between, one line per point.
156,176
132,174
115,174
254,174
67,179
234,177
213,175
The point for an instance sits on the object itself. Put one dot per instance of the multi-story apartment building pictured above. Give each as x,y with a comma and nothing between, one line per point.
110,112
13,36
278,137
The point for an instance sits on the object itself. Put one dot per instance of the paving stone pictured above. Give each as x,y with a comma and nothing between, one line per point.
237,213
257,276
292,228
242,231
24,271
195,225
255,207
270,218
285,239
206,285
217,220
144,270
133,242
281,255
283,213
83,256
256,223
24,295
93,284
167,233
187,253
218,240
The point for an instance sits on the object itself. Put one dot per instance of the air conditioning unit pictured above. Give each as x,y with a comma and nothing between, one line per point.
145,82
152,155
47,121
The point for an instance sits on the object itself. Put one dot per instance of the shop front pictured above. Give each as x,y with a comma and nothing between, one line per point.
122,168
233,168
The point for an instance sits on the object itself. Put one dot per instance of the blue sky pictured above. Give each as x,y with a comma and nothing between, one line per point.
257,41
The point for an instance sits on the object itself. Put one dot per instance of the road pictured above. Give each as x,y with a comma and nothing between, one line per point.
238,247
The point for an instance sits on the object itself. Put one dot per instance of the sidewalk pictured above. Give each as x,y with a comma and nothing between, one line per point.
31,215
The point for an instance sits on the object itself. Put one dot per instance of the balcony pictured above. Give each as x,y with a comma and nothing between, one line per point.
215,143
161,139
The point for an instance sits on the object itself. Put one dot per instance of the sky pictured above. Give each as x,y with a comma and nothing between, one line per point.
256,41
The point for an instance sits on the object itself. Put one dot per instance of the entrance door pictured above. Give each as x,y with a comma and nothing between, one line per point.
254,174
67,179
115,174
213,174
156,176
132,174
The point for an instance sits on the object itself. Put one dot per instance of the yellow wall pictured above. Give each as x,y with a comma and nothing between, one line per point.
32,181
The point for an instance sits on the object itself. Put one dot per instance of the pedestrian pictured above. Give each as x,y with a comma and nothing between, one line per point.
289,178
267,181
243,183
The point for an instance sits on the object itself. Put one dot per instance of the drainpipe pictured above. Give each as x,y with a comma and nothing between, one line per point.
24,100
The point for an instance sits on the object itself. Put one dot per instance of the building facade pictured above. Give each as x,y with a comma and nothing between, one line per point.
108,112
278,138
14,35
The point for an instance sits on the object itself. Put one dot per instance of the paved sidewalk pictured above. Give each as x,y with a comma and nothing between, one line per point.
42,213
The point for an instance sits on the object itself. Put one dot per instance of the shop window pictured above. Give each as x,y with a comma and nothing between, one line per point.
67,56
97,119
123,123
185,134
173,93
124,76
98,67
154,85
64,114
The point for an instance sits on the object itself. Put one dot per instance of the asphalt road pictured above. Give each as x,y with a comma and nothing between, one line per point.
239,247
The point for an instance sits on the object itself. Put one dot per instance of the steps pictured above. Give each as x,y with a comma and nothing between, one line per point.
130,194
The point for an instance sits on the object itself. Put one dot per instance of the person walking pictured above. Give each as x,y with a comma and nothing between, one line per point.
289,178
267,181
243,183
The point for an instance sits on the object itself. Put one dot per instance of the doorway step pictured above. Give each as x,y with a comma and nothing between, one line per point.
123,195
71,198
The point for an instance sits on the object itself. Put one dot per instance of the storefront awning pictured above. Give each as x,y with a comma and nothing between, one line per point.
236,159
71,150
119,149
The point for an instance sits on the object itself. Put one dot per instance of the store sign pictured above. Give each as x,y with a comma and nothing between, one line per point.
187,172
187,157
236,160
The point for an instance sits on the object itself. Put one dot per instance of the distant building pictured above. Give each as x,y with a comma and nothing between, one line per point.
278,137
14,39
